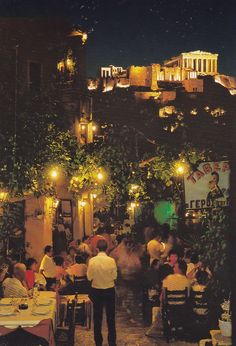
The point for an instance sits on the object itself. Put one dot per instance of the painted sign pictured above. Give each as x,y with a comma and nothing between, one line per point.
208,186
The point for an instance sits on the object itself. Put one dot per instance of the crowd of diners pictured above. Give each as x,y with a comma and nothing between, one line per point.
160,260
174,267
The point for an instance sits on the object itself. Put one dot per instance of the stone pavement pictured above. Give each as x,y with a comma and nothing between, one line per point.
129,323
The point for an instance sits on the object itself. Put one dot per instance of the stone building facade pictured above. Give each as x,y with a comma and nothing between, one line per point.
186,66
36,53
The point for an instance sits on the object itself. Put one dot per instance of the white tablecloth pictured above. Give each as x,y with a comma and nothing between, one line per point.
25,318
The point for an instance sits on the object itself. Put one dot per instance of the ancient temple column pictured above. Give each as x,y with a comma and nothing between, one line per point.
201,65
216,66
191,62
208,67
205,65
213,65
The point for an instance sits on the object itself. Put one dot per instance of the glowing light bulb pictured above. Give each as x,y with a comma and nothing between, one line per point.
82,203
100,176
180,170
3,195
134,187
94,127
53,173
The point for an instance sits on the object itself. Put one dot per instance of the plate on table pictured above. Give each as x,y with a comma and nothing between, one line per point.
5,302
40,310
7,311
44,302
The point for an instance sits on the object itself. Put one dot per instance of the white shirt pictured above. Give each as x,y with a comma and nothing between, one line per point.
102,271
48,266
12,287
155,249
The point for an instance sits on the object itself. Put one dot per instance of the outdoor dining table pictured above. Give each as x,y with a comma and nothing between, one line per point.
42,325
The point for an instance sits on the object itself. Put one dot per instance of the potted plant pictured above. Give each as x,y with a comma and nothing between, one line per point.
225,323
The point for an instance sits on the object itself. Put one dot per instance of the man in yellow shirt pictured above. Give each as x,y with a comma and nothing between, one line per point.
177,281
154,247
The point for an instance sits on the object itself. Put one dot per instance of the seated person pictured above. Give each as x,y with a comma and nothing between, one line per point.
31,268
83,247
173,258
12,286
201,286
60,270
195,267
192,260
71,256
79,269
177,281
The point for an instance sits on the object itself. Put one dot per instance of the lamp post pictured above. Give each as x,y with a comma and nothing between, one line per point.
82,205
181,168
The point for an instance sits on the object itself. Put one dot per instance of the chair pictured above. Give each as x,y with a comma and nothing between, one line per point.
199,303
174,312
65,332
20,337
81,285
80,314
200,314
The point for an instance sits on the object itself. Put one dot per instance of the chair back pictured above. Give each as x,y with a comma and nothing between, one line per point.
81,285
175,311
65,333
175,298
199,302
80,314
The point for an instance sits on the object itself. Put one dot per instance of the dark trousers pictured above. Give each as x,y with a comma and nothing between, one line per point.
104,298
50,282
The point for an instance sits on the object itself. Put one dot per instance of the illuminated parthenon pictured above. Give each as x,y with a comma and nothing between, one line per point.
181,68
203,63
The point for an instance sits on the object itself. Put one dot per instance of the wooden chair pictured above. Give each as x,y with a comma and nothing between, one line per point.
65,332
81,285
200,315
199,303
80,314
174,312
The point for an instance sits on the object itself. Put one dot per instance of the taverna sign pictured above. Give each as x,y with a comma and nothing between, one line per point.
208,186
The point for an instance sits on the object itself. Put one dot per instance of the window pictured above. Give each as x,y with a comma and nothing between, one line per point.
35,77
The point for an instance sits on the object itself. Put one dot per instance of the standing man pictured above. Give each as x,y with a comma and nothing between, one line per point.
48,267
102,272
155,247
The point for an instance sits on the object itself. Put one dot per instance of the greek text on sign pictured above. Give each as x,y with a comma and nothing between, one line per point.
208,186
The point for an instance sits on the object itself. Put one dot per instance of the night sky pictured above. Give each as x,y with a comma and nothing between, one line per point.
139,32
